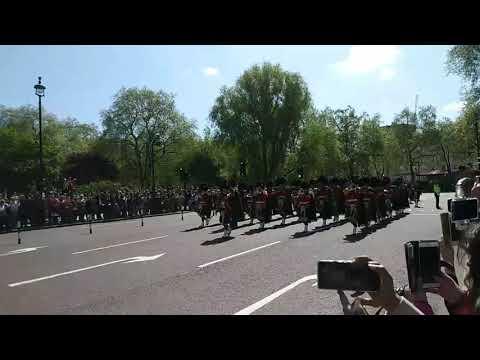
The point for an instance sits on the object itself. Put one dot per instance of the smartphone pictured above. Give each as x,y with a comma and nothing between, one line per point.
464,209
346,275
423,264
411,255
429,262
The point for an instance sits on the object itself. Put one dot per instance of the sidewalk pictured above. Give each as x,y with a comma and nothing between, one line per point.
31,228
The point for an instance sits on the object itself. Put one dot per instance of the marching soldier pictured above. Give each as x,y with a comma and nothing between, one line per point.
261,199
370,202
282,201
352,206
227,212
250,201
323,200
417,193
205,206
380,201
306,205
339,200
237,207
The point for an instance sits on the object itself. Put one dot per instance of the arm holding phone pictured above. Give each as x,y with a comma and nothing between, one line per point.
457,301
386,296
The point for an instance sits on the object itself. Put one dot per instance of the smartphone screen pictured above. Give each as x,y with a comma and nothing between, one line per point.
346,275
411,266
429,259
464,209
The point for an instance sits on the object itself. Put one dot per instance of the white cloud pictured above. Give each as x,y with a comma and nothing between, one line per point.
210,71
368,59
452,108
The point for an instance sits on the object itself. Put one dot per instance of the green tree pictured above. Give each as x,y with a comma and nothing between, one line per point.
147,124
371,146
261,115
407,133
202,168
347,126
318,149
438,136
464,60
467,128
20,145
89,167
393,157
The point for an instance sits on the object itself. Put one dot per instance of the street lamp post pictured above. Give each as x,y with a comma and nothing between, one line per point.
152,154
477,140
40,92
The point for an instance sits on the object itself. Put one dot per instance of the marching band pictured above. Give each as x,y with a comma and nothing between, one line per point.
361,202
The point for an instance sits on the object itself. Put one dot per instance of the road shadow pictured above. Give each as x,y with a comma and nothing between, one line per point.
247,224
218,240
279,226
318,229
364,232
332,225
255,231
238,227
201,227
301,234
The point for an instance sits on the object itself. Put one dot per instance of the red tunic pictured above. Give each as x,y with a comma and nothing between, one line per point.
305,200
262,198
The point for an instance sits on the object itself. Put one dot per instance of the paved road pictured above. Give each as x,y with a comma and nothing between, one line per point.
170,267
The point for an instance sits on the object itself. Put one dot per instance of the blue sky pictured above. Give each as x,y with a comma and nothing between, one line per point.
81,80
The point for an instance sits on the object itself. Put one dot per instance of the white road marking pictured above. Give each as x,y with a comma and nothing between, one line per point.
259,304
425,214
125,261
21,251
144,258
100,225
122,244
314,284
232,256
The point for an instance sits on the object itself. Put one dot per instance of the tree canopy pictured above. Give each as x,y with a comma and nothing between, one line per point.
261,115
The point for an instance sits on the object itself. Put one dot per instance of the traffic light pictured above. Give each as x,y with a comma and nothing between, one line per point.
300,173
182,174
243,168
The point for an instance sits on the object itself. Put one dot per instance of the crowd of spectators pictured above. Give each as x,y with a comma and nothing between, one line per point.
35,209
